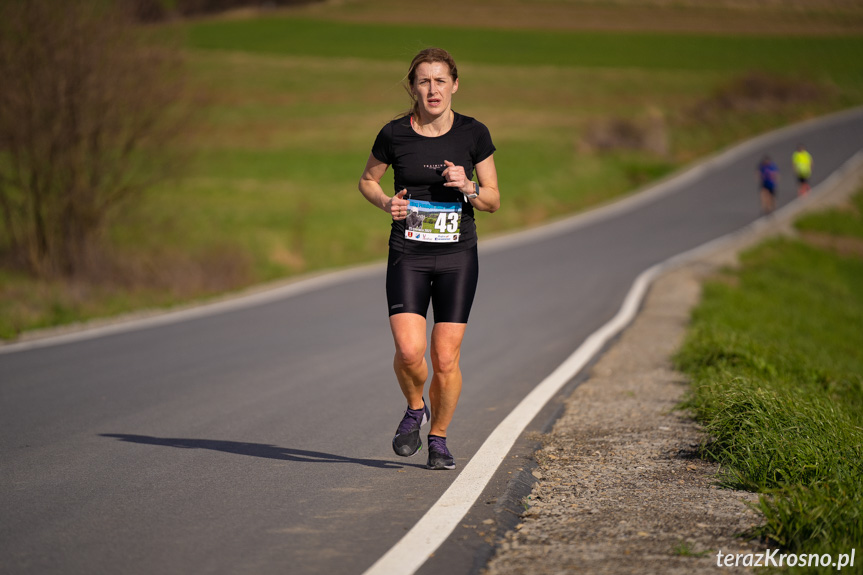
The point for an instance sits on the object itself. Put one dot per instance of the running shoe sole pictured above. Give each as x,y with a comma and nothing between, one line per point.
440,464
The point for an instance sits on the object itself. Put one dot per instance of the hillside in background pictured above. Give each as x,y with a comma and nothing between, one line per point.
586,102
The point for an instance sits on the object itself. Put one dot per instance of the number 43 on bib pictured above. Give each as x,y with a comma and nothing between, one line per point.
438,222
447,222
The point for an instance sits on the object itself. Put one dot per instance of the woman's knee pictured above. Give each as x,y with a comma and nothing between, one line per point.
445,361
446,347
410,353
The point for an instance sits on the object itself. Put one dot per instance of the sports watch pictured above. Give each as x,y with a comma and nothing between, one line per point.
475,192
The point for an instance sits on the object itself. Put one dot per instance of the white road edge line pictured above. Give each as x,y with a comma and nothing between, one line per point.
429,533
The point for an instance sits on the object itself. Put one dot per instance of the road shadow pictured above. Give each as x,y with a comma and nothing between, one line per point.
256,450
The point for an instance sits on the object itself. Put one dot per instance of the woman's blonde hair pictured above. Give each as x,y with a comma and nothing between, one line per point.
427,56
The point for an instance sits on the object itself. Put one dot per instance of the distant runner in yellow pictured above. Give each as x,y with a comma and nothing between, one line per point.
802,168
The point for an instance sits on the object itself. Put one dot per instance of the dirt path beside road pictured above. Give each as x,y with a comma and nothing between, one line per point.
620,488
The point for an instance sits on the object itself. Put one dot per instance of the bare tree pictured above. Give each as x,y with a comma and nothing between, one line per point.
88,109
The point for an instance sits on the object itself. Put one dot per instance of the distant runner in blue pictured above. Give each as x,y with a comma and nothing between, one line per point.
434,153
768,176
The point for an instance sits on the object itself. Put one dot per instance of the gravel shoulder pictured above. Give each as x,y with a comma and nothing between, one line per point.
620,488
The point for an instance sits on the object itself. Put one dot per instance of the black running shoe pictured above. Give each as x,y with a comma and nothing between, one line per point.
439,455
407,440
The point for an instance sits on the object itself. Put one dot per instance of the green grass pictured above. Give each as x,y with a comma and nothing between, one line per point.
775,354
302,37
837,222
685,549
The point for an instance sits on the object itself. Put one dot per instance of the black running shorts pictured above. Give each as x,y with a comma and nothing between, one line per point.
448,281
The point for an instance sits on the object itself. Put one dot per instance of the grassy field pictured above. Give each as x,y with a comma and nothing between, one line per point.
752,17
775,353
587,49
290,102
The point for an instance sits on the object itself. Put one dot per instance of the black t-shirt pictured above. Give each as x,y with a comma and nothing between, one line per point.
418,162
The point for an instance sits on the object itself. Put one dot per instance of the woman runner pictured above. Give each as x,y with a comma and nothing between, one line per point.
434,153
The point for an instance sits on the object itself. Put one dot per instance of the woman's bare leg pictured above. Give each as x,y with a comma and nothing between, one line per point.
409,363
445,387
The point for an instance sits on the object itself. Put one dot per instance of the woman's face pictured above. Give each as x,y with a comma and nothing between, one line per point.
433,88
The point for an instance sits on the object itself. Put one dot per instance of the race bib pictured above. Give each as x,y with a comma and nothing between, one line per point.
438,222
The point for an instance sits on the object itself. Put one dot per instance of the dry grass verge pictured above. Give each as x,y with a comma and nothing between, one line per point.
760,92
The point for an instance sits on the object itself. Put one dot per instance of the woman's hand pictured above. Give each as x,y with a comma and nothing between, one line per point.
455,178
397,206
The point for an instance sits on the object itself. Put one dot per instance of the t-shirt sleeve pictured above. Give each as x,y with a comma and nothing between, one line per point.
483,146
383,146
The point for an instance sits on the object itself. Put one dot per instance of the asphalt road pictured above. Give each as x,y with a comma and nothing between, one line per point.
257,439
